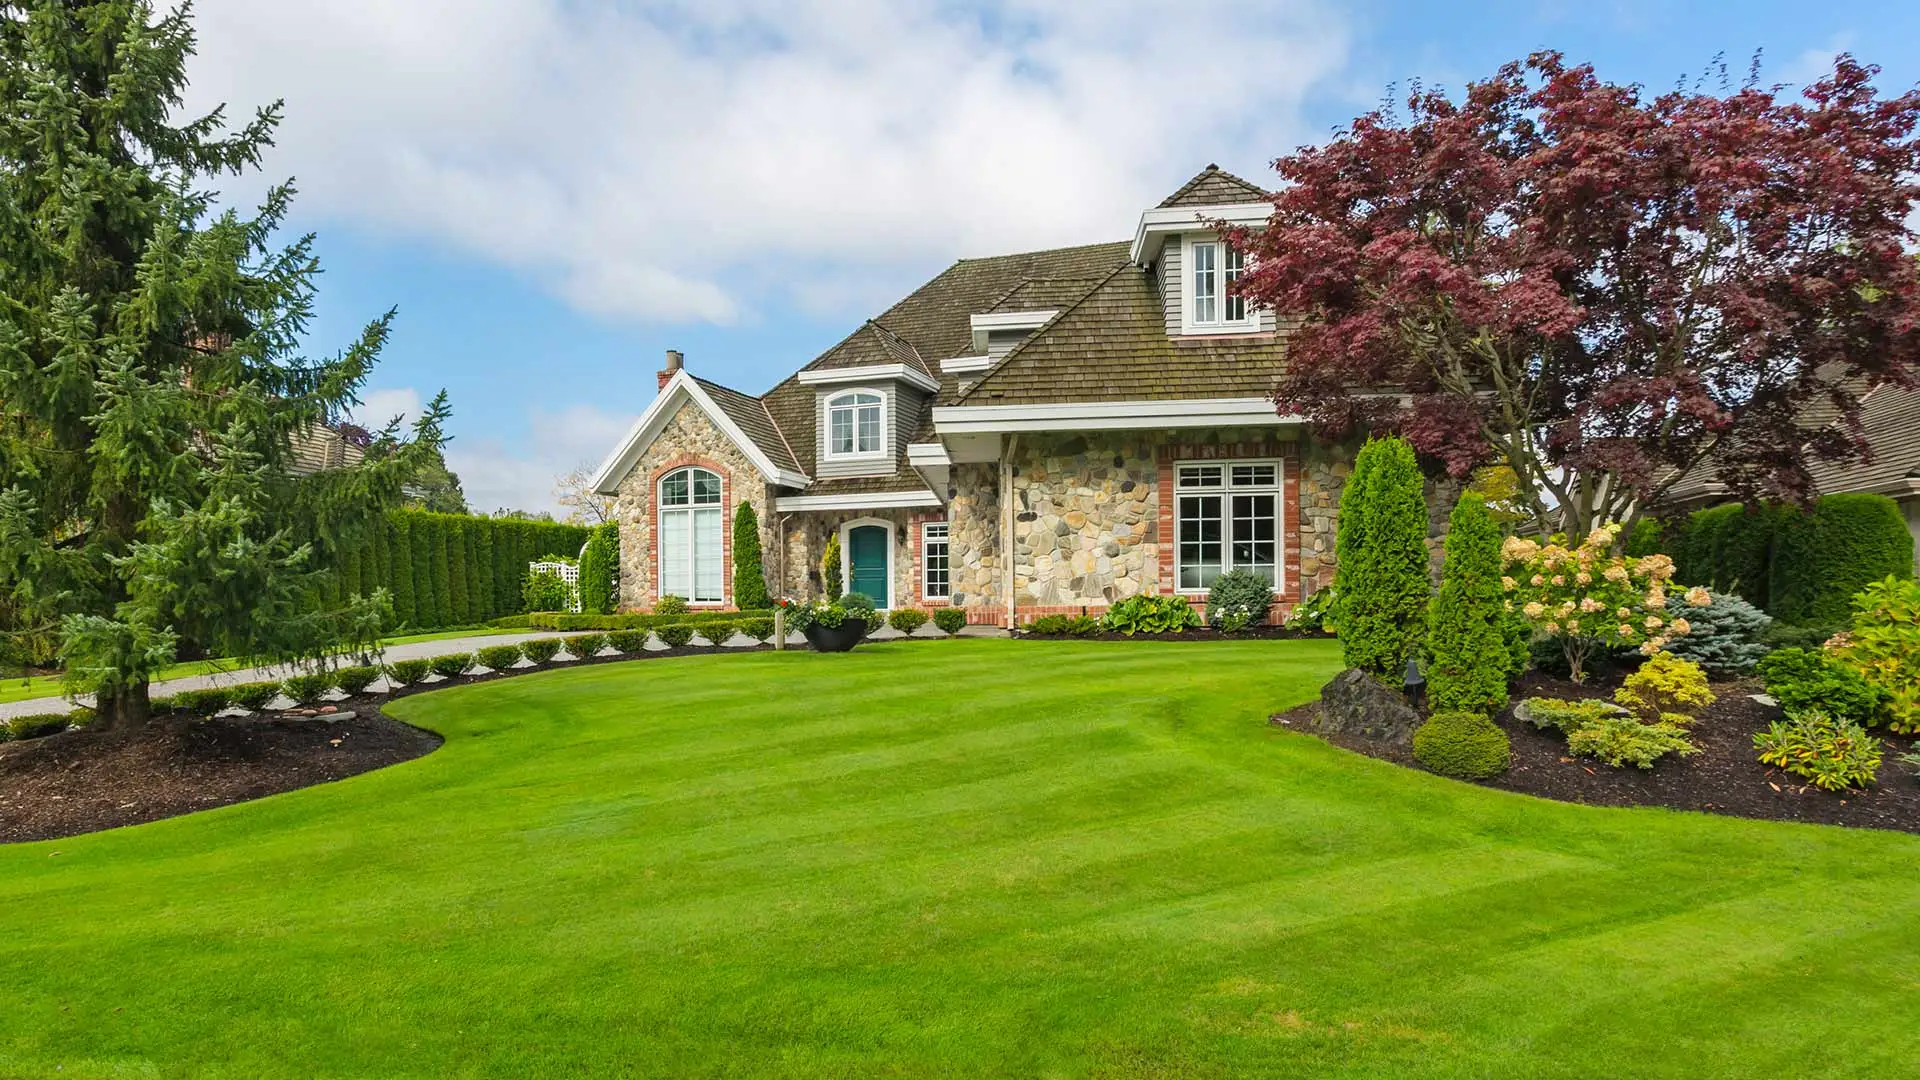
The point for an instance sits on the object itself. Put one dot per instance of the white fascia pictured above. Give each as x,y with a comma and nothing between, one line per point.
927,453
965,365
879,500
1166,221
1109,416
682,387
866,373
1012,320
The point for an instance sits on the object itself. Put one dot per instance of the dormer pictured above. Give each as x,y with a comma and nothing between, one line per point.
1192,265
870,394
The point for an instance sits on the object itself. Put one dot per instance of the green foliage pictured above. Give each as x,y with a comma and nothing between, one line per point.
749,576
719,631
1241,596
512,622
1380,577
444,611
356,679
1623,740
676,634
830,582
1064,626
1468,745
399,569
1666,689
408,672
1884,647
1517,633
1726,636
583,646
39,726
202,702
1832,753
1150,614
670,605
1802,680
568,621
487,556
498,657
628,641
252,696
308,687
1468,659
907,620
546,590
952,620
1313,613
834,613
598,564
540,650
459,602
1730,549
1567,716
1788,636
1822,559
759,629
451,665
1649,537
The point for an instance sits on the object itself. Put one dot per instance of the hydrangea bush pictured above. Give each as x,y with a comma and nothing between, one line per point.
1592,600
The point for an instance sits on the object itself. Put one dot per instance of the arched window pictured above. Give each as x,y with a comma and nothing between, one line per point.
854,423
691,545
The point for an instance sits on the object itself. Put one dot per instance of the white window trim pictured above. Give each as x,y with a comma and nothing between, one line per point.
660,512
925,569
884,603
1191,325
884,453
1225,490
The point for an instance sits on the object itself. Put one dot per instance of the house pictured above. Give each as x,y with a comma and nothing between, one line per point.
1046,432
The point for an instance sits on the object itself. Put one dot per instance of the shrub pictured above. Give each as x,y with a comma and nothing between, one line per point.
583,646
749,576
1150,614
598,564
1082,626
308,687
252,696
1823,558
1463,744
1242,595
1567,716
540,650
1788,636
513,622
38,726
546,590
408,672
628,641
1666,690
1313,613
1725,637
718,631
1592,600
498,657
830,569
1380,576
1730,549
1884,647
1832,753
759,629
1623,740
676,635
1047,624
861,606
907,620
1517,633
671,606
1802,680
355,680
1467,656
952,620
202,702
451,665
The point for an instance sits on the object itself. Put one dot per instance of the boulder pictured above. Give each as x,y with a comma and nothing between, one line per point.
1358,704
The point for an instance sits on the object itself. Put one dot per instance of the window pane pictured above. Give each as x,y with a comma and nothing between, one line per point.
862,399
1200,476
1200,536
707,580
676,552
1206,284
1255,535
840,428
1253,476
673,489
1236,305
933,557
870,429
706,486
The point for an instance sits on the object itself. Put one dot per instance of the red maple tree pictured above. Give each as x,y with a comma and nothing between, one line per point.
1598,288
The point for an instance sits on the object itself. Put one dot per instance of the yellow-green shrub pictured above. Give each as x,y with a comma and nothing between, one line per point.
1666,690
1884,647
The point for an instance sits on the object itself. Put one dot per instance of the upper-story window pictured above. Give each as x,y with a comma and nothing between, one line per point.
1213,269
855,421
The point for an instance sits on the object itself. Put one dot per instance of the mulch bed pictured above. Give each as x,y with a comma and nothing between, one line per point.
1726,777
84,781
1200,633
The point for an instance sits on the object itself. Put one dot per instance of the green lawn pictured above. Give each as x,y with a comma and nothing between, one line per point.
972,858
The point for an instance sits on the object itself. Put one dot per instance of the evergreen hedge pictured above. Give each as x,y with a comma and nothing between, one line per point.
1380,581
453,570
1730,549
1468,657
1823,558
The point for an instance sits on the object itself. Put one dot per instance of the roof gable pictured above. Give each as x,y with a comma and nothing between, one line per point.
684,388
1215,186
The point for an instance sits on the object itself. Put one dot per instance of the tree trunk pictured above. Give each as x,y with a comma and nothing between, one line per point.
124,712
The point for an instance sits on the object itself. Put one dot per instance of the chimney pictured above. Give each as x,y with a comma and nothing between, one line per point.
675,362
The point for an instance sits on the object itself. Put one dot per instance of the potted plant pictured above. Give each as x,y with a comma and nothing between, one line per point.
834,625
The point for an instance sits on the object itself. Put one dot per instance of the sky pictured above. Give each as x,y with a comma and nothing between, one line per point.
552,193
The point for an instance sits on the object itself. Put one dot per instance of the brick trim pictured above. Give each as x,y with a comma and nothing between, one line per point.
917,567
1289,455
651,589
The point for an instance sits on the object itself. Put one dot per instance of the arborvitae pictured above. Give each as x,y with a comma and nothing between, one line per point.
423,534
479,572
1468,660
400,570
150,372
1380,582
830,569
455,531
597,568
749,576
442,578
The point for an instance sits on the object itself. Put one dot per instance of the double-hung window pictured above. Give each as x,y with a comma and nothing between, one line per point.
935,583
855,421
1227,517
1215,268
692,547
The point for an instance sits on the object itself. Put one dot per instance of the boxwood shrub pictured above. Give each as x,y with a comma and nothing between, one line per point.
717,631
38,726
952,620
757,629
675,634
628,641
670,605
201,702
252,696
408,671
907,620
540,650
583,646
1463,744
355,680
451,664
308,687
498,657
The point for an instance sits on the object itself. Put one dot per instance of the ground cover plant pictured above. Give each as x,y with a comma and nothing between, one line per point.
1833,754
714,875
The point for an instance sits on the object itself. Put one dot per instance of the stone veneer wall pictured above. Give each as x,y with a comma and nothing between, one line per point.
973,541
806,537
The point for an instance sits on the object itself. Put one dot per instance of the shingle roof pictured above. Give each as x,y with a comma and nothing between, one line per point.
1215,186
1044,294
1112,345
1890,418
750,414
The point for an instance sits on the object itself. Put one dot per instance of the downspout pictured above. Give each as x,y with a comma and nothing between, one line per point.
1006,522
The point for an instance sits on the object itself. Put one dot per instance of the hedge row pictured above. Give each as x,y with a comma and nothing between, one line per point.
449,569
560,620
1798,566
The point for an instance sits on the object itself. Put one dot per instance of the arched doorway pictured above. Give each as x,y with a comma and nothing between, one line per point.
866,555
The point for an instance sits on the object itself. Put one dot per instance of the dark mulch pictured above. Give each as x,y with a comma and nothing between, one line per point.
1726,777
1276,633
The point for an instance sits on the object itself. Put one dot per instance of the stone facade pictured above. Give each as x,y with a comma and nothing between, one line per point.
973,540
1085,514
806,536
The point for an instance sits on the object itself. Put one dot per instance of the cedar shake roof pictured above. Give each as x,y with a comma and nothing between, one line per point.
1216,187
1890,418
753,418
1044,294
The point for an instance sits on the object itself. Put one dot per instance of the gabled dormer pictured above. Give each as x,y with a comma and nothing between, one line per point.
870,393
1193,268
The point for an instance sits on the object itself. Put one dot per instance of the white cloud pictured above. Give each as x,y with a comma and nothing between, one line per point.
379,406
520,475
682,160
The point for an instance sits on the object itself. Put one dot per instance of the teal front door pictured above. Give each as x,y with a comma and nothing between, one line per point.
867,562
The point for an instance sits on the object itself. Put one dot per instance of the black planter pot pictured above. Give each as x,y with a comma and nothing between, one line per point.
840,638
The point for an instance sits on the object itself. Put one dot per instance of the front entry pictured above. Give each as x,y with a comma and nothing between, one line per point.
867,550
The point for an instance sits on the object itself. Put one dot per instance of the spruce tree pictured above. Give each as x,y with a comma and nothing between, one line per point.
1380,580
749,576
1467,652
150,372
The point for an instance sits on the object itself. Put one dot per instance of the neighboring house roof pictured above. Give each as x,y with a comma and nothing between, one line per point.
319,448
1215,186
1890,423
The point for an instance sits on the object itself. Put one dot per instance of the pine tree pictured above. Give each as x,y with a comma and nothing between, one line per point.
149,372
1380,580
749,576
1468,658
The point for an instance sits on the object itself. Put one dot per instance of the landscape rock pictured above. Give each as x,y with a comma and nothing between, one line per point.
1355,703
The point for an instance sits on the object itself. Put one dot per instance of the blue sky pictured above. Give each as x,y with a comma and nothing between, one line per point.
553,192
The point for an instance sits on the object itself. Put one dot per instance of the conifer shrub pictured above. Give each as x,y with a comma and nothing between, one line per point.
1623,740
583,646
355,680
1566,716
749,575
717,631
830,582
540,650
1238,599
628,641
498,657
252,696
307,687
1468,660
597,570
1380,579
408,672
38,726
1467,745
676,634
451,664
759,629
1666,690
950,620
200,702
670,605
1727,637
1822,559
907,620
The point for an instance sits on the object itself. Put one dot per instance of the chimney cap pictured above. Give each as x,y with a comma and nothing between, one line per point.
675,360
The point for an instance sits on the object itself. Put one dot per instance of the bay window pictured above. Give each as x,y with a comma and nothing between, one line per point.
1226,517
692,546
